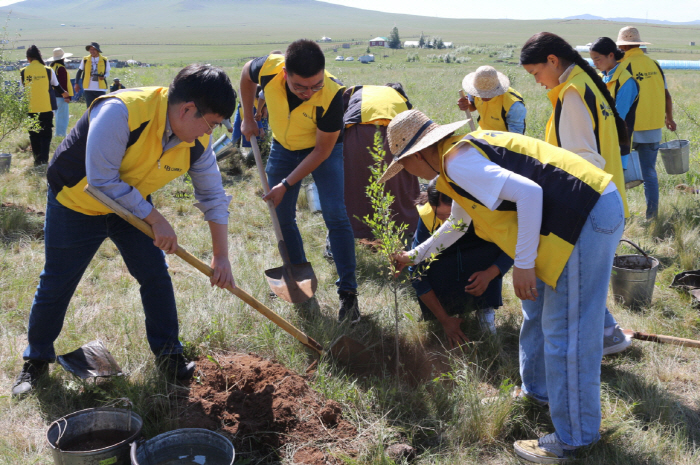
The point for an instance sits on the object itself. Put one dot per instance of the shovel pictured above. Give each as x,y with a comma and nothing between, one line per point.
468,113
206,269
294,283
661,339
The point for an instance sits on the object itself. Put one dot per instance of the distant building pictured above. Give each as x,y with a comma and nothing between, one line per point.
378,42
411,44
325,39
447,44
692,44
366,58
346,45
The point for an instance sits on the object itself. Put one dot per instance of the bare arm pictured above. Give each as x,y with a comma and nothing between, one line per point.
670,123
451,324
223,276
248,91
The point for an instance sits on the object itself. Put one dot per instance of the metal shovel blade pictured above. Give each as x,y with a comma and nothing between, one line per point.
295,284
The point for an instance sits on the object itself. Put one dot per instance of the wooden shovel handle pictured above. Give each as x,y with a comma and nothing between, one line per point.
266,188
145,228
677,341
468,113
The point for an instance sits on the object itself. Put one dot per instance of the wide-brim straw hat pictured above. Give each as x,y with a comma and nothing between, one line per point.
93,44
59,54
410,132
486,82
629,35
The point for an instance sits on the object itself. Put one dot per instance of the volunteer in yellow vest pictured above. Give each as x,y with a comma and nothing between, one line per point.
128,145
41,85
305,108
369,109
92,74
500,107
653,112
466,276
585,121
560,218
58,65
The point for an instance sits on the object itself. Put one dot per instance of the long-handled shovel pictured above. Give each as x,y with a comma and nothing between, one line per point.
206,269
676,341
468,113
294,283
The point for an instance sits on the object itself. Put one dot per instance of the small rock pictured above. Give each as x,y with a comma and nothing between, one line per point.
397,452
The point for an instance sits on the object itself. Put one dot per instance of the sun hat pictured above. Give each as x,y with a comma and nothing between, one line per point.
486,82
59,54
629,35
410,132
93,44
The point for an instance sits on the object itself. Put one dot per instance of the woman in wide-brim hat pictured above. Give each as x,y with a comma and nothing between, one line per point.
58,65
560,218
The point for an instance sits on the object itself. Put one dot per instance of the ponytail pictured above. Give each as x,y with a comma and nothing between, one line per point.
606,46
541,45
34,53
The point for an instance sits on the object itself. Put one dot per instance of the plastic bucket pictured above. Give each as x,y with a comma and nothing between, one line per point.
675,155
633,173
97,436
312,198
633,278
184,446
5,160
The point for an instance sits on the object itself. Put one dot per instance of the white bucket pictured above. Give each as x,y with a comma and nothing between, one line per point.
312,198
633,173
5,160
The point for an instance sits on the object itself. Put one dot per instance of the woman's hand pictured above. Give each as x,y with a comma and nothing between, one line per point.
454,333
525,283
401,260
479,281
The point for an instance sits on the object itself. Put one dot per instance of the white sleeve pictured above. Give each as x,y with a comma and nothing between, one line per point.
107,68
446,235
54,79
484,178
527,196
576,129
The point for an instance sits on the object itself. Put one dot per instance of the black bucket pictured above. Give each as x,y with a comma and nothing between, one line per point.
184,446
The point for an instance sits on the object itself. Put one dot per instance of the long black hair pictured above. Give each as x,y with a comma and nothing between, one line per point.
432,196
606,46
541,45
34,53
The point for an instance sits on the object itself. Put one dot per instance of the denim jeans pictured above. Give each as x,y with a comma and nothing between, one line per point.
561,339
61,117
647,161
70,241
91,95
329,182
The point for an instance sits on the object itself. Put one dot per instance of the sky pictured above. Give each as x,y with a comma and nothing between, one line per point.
678,10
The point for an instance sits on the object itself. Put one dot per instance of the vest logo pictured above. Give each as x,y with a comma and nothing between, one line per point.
605,110
307,116
28,78
639,77
168,168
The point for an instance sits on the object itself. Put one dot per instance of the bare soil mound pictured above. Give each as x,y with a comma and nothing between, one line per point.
263,405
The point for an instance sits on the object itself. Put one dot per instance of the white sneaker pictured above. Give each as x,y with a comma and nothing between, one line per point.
547,449
487,319
616,342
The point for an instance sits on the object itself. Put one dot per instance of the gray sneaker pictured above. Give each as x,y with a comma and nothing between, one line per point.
616,342
547,449
29,377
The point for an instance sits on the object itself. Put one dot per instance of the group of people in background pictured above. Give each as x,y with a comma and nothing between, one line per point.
553,210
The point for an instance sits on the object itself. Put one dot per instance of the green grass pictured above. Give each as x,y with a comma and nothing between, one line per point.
651,398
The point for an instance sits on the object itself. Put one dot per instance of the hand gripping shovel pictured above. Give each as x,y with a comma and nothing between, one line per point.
468,113
206,269
293,283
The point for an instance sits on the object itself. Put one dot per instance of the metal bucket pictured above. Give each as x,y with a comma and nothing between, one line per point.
312,198
105,433
633,173
675,155
633,278
5,160
220,143
184,446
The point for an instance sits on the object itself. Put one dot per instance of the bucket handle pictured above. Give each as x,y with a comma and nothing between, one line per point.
677,137
649,261
61,432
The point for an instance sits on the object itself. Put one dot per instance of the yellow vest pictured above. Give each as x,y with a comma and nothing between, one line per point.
373,105
295,130
427,214
145,166
87,69
55,67
570,186
603,121
36,79
492,114
651,108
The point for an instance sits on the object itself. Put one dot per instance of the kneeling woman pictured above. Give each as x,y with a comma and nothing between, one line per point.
465,277
560,218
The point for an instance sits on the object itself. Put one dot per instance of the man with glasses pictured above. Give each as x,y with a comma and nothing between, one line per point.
128,145
305,108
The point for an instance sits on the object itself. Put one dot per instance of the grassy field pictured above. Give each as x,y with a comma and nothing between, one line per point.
651,398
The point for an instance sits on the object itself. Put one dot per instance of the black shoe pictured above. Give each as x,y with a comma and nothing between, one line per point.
348,308
176,365
29,376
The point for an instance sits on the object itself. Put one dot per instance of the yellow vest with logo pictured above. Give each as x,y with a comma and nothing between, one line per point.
87,70
570,189
492,114
373,105
602,118
145,166
36,80
651,108
55,67
295,130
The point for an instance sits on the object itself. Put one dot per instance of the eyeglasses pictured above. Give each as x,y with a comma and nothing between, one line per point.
201,114
304,88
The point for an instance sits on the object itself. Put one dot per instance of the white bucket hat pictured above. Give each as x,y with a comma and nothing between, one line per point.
486,82
410,132
629,35
58,54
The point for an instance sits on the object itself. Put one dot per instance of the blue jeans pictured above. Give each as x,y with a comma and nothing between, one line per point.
329,181
91,95
70,241
647,161
61,117
561,339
